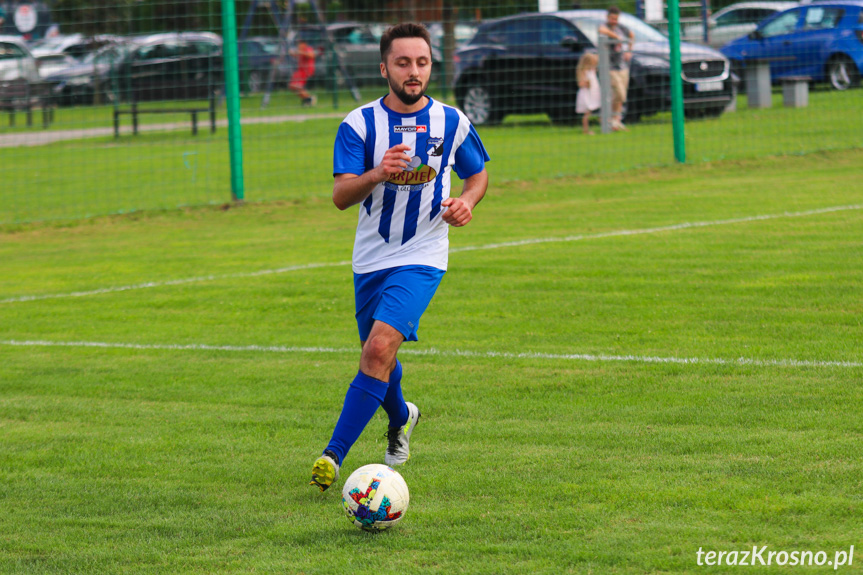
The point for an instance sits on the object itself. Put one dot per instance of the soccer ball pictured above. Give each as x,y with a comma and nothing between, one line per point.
375,497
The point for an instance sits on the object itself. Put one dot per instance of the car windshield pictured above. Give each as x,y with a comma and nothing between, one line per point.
643,31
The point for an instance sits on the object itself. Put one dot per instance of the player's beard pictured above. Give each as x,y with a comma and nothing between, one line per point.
406,98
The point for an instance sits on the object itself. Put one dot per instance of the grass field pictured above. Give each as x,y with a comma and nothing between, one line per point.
618,370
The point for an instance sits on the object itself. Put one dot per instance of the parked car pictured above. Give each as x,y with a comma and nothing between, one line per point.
16,61
822,40
88,81
257,56
52,63
733,22
173,66
526,64
463,32
77,46
358,46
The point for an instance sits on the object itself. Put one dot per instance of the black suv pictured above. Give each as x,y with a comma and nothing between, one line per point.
526,64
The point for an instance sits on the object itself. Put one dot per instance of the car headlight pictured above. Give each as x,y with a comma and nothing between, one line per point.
79,81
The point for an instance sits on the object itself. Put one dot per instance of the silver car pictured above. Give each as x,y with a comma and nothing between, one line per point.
733,21
16,61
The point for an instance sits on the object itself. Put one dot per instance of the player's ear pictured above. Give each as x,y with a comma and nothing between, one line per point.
383,70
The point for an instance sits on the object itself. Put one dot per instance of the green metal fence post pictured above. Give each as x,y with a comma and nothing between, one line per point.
676,81
232,97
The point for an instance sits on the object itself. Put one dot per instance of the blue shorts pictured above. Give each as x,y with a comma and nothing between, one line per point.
396,296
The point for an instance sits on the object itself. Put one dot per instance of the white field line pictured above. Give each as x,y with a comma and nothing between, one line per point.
741,361
175,282
527,242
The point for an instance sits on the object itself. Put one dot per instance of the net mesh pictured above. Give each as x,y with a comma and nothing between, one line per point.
77,77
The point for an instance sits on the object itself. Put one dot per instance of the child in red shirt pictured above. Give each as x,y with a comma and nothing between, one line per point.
305,56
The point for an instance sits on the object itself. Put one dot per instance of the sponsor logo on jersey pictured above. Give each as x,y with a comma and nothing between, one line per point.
420,129
419,176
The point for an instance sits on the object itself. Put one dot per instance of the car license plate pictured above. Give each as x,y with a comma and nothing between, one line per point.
708,86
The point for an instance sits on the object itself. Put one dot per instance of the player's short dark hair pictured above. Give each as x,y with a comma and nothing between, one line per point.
403,30
614,10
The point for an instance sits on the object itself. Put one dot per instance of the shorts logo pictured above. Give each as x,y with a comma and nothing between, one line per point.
421,129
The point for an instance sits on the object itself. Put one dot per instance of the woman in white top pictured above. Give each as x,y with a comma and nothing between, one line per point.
589,98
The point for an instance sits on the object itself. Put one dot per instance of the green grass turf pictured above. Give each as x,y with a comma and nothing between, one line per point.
156,460
290,160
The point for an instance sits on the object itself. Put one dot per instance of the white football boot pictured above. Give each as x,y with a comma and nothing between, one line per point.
398,438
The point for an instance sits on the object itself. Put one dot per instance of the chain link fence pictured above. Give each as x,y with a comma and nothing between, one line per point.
111,107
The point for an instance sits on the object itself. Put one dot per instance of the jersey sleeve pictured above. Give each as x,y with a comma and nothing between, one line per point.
470,157
349,153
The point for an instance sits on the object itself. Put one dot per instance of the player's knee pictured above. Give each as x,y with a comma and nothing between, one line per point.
378,353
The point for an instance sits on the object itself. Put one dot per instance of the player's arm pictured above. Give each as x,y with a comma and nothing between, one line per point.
351,189
459,211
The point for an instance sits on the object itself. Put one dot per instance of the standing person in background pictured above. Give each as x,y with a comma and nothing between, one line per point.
394,157
305,56
589,98
620,57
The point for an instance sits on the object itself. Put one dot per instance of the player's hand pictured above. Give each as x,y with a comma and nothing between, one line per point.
458,213
395,161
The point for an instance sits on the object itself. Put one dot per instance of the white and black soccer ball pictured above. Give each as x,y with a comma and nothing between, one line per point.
375,497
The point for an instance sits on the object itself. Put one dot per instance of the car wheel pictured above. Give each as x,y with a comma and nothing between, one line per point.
478,106
256,82
842,73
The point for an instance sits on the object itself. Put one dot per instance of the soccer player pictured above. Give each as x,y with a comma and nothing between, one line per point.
394,158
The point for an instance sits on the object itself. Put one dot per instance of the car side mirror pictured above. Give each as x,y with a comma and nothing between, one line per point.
756,35
571,43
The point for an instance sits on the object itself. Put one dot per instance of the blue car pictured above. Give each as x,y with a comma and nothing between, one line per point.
822,40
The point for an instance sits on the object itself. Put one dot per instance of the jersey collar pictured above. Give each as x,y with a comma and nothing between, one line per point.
412,114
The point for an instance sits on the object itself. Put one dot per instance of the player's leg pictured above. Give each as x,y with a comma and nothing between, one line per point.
365,394
369,387
394,401
407,295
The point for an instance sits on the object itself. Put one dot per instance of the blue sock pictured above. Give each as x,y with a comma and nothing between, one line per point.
363,398
394,403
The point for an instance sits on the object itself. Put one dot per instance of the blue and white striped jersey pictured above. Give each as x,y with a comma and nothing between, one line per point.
400,222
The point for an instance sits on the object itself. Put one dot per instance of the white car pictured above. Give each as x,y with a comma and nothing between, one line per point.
733,21
16,61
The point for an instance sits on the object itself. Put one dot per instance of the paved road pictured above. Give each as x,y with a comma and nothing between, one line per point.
39,137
